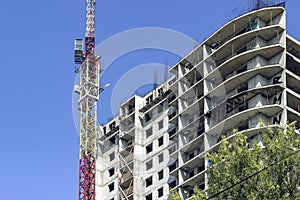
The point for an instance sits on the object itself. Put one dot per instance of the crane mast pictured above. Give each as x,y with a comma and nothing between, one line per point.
88,90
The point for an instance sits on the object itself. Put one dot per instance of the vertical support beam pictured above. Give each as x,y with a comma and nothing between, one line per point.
271,17
89,95
234,29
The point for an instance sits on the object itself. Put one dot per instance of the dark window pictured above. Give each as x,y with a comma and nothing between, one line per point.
149,165
160,158
188,65
113,139
160,141
149,132
191,155
242,69
173,166
172,131
149,181
171,97
214,45
191,192
149,99
112,156
172,184
147,117
160,124
160,174
130,109
243,87
149,148
111,171
160,92
111,187
149,197
241,50
191,173
159,108
201,168
160,192
202,187
112,125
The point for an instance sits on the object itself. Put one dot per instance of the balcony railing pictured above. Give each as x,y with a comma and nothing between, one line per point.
191,136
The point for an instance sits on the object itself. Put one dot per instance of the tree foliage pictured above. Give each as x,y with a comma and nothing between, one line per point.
175,196
266,168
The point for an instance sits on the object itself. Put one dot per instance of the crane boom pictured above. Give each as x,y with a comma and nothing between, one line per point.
89,95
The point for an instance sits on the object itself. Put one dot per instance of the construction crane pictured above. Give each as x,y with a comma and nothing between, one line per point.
88,91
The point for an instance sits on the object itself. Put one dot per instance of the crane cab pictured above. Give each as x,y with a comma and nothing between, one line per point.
78,51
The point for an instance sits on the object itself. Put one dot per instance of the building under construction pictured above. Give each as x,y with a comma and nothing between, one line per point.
247,70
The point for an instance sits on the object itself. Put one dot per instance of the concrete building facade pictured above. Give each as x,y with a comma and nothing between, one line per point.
247,71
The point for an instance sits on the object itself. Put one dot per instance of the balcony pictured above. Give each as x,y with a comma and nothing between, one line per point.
172,181
242,26
293,116
241,104
234,120
293,47
173,146
293,64
152,102
172,112
196,142
172,130
171,97
189,171
293,82
234,81
189,135
248,132
189,120
239,60
173,165
293,100
112,129
128,132
197,179
253,40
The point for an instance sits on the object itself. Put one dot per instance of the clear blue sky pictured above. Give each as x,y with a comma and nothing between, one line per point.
39,143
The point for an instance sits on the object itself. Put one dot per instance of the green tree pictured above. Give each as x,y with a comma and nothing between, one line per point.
175,195
269,169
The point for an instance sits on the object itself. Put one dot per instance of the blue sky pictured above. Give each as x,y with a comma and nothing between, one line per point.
39,142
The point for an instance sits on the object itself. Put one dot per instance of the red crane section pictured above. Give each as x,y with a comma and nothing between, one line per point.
89,95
